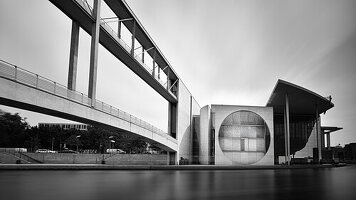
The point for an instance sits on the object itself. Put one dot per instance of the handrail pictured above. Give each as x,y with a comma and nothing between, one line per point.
23,76
128,48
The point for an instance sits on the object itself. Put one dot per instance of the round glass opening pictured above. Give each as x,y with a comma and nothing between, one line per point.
244,137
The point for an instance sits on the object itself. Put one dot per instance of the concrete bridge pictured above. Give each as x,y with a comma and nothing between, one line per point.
25,90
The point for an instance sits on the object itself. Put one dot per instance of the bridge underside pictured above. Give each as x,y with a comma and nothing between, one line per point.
15,94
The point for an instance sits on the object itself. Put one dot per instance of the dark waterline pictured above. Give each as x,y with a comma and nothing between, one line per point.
333,183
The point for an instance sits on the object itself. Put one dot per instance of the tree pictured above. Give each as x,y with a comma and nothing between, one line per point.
12,130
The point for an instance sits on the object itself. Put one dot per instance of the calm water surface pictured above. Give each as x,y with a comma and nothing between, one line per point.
335,183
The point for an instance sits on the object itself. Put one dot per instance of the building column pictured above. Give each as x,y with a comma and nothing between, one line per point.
133,36
318,134
287,130
168,158
172,119
73,56
328,140
285,135
322,139
94,52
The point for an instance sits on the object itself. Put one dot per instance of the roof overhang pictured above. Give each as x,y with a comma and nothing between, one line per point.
329,129
301,100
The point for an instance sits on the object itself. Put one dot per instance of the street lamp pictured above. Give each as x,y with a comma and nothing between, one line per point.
78,136
111,142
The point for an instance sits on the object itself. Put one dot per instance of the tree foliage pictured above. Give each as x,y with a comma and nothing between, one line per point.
16,133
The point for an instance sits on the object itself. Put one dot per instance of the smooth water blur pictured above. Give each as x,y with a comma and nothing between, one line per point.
334,183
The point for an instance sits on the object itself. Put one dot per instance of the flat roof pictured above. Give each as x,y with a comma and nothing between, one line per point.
301,100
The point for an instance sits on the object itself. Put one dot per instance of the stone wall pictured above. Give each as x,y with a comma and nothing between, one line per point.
111,159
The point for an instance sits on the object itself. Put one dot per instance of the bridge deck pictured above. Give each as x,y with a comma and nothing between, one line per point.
26,90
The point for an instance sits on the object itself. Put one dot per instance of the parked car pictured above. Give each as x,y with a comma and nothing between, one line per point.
45,151
115,151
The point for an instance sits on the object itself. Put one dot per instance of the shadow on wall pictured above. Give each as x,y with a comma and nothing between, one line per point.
185,146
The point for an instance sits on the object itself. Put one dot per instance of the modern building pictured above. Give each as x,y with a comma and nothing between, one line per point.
65,126
350,152
287,127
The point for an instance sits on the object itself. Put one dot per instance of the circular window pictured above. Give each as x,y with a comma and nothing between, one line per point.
244,137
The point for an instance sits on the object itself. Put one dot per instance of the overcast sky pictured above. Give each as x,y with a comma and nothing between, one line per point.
226,52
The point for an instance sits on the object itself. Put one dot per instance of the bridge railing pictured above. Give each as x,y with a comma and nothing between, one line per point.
17,74
88,8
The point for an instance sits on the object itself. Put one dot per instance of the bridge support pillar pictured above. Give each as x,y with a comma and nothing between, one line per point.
73,56
318,133
172,111
172,119
94,51
171,158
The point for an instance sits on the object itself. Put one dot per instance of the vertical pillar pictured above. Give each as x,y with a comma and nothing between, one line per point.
154,64
73,56
318,134
133,38
119,29
191,129
94,51
328,140
323,134
172,112
287,129
285,135
168,158
172,158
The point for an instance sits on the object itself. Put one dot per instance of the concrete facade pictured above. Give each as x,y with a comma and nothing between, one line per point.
204,135
214,118
307,151
187,107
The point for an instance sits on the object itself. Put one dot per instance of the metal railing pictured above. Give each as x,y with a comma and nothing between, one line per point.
17,74
114,34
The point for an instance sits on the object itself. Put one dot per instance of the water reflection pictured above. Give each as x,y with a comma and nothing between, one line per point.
336,183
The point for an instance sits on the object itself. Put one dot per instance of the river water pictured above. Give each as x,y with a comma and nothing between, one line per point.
333,183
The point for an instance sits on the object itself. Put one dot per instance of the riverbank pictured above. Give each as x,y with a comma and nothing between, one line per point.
154,167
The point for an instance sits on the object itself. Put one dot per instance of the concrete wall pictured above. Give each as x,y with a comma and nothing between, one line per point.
222,111
203,136
111,159
307,151
9,159
187,107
